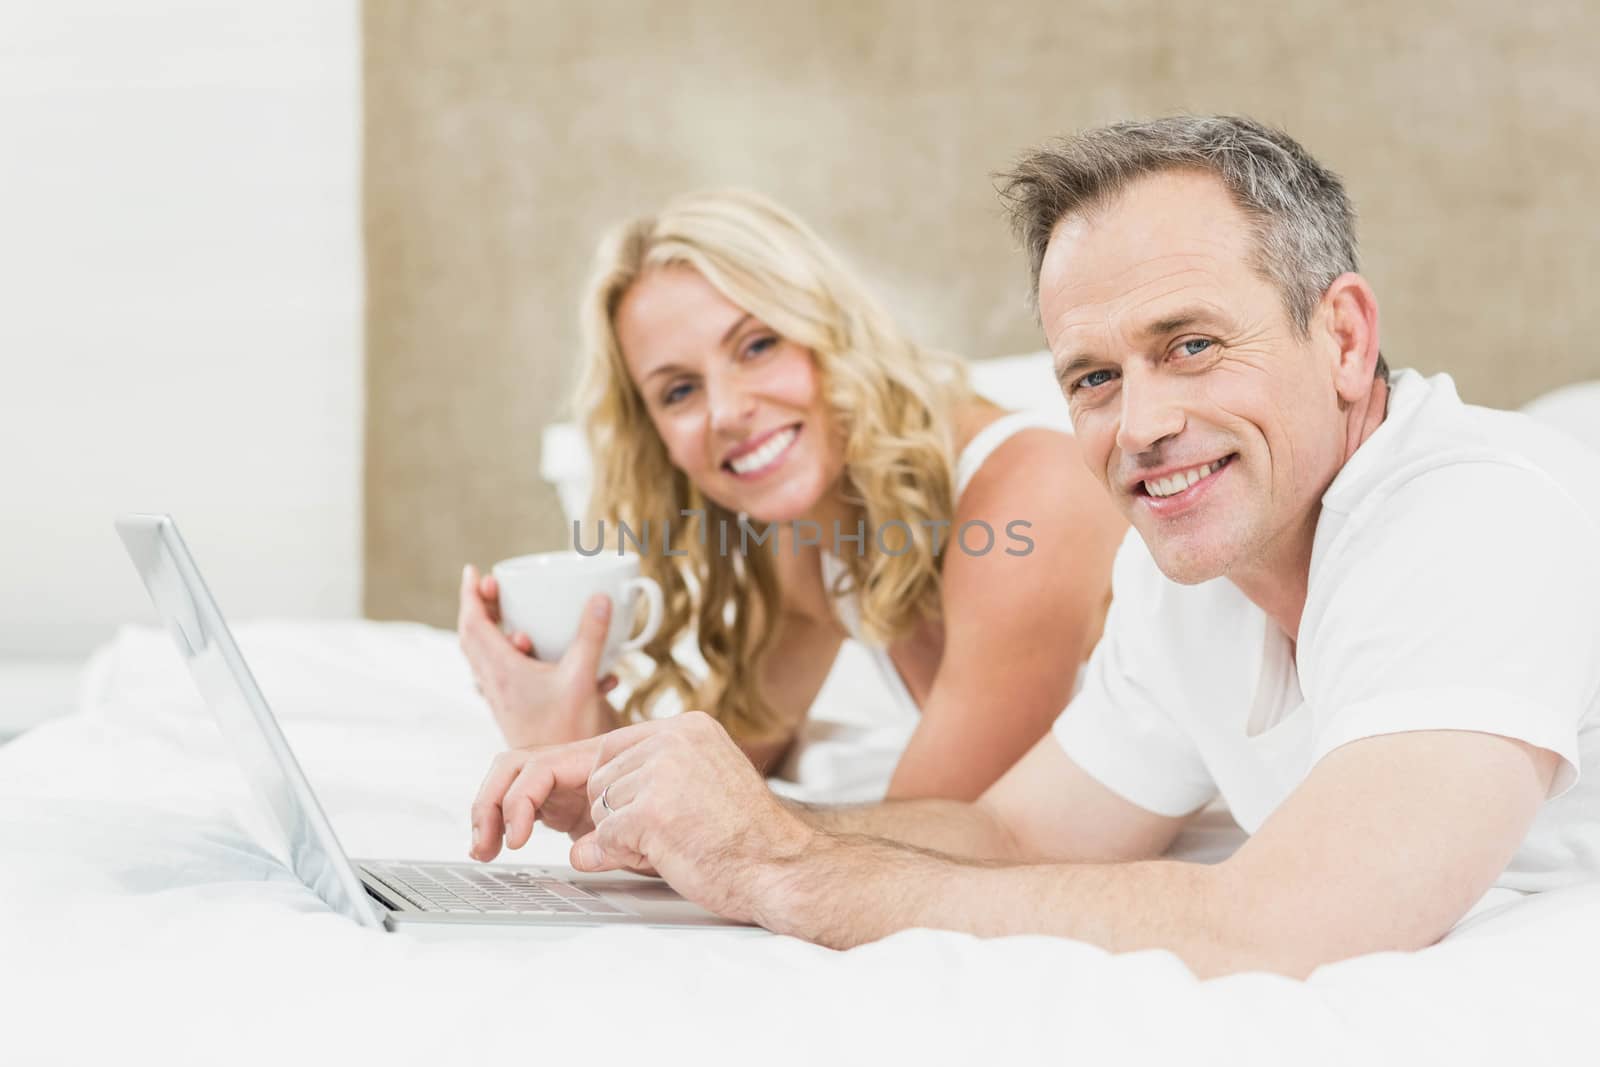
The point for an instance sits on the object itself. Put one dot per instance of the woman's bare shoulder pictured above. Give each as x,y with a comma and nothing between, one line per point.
968,418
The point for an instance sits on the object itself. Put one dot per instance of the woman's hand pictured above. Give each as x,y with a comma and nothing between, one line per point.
535,703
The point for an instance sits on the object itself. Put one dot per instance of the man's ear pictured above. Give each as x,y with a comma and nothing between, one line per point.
1348,319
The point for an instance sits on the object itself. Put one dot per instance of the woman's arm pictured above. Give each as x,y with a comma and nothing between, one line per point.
1019,619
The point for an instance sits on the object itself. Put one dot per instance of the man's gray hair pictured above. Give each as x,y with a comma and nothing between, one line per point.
1304,223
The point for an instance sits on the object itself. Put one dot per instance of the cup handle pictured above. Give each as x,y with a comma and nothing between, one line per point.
652,623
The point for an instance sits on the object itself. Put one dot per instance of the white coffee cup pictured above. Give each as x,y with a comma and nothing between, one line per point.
544,596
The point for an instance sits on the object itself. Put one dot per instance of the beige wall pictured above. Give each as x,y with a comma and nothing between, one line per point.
503,136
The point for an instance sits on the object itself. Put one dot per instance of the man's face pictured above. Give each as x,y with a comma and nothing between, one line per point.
1213,425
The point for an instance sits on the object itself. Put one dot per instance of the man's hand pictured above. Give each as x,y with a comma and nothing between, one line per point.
528,785
676,795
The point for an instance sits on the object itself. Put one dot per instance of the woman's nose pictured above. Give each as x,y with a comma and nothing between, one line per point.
730,404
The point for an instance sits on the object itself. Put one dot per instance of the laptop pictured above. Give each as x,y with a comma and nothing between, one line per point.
390,894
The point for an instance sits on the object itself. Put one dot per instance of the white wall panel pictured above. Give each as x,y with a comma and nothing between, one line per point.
180,306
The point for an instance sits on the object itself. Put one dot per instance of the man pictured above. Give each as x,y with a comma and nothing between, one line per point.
1365,614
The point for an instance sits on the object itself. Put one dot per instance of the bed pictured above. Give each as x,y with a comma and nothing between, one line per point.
141,921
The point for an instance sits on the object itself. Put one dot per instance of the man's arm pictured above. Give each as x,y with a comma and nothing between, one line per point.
1045,809
1385,846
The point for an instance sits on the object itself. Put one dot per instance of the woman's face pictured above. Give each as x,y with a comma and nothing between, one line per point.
739,408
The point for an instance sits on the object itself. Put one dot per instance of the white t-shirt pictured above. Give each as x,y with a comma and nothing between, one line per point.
1454,585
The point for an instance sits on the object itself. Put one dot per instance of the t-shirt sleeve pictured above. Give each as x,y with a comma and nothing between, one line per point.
1116,728
1470,602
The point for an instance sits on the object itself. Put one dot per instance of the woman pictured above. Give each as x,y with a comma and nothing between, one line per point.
735,369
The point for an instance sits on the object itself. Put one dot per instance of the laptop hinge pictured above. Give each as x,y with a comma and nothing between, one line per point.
379,897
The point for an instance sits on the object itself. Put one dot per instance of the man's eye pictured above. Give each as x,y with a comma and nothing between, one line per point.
1092,380
1190,349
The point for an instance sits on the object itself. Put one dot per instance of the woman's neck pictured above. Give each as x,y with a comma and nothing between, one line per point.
833,515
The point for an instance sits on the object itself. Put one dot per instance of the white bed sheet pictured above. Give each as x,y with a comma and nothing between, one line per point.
137,921
34,690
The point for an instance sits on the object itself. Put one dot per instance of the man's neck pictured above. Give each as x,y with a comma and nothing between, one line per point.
1277,584
1278,581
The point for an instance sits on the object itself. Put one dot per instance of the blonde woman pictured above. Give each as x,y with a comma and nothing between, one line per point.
735,370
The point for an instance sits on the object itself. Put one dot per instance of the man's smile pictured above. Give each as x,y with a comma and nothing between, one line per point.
1178,488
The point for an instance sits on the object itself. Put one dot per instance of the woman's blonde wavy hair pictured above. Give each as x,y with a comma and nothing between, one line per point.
891,399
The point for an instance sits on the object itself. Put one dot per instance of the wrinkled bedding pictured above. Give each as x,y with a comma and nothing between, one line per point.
141,923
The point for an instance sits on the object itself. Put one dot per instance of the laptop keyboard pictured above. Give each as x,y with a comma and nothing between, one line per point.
471,889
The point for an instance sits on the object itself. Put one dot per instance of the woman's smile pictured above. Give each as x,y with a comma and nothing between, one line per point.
761,455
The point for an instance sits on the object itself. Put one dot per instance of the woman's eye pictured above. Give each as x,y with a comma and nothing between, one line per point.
1092,380
676,393
759,345
1189,347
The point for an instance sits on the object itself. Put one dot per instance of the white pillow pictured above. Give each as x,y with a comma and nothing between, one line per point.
1024,382
1574,409
564,462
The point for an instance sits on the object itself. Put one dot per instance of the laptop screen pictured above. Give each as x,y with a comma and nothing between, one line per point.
294,827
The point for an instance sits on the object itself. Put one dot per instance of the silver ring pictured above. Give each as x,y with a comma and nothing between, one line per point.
604,803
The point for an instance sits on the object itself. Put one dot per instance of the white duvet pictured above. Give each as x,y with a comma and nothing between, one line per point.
139,923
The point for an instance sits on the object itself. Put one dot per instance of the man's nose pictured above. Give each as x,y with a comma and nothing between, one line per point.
1151,412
